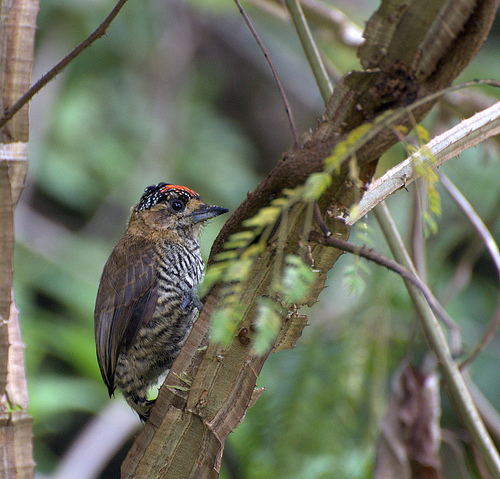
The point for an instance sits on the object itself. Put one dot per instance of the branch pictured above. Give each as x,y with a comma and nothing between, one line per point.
466,134
98,33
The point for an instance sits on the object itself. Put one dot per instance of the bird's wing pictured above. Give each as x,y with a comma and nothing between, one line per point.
126,299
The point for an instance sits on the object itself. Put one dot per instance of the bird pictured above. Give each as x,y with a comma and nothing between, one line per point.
147,297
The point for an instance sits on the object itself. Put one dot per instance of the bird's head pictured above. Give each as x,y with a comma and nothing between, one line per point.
171,211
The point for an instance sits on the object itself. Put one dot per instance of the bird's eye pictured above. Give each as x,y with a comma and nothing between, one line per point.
177,205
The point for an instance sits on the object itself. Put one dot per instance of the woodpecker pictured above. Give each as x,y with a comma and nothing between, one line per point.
147,302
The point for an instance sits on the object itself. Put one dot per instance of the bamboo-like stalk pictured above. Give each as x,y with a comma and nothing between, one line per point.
17,37
310,49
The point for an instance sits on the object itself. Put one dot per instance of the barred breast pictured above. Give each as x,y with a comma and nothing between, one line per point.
157,344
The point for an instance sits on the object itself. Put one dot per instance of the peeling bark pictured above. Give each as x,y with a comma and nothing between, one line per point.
17,36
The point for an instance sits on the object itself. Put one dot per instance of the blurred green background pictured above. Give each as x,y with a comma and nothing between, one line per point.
178,91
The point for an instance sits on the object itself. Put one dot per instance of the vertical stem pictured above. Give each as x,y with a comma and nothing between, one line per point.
288,109
434,334
310,49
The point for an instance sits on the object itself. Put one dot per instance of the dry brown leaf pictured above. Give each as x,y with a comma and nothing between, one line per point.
410,432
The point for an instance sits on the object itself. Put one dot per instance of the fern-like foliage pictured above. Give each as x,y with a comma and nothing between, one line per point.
426,170
293,276
356,272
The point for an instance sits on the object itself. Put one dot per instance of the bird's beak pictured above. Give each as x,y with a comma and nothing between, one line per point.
205,212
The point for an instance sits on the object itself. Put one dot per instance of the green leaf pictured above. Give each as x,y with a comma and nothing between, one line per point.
354,276
226,255
296,280
242,235
434,201
239,240
422,134
268,325
264,217
430,224
342,149
224,323
426,171
253,250
213,275
316,185
238,270
363,233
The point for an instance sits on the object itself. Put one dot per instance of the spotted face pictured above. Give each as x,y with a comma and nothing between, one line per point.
163,192
170,213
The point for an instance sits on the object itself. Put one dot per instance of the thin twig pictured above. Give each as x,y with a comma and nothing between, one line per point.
321,223
288,109
492,247
488,336
473,217
35,88
370,254
310,49
469,257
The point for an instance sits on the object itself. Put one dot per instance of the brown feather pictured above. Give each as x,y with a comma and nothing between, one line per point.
126,300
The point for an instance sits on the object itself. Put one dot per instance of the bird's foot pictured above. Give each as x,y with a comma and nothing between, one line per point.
144,410
191,297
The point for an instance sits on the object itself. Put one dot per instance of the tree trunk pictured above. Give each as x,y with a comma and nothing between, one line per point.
17,32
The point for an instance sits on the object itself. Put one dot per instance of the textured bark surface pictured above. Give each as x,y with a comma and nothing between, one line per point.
17,40
406,56
6,249
17,36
